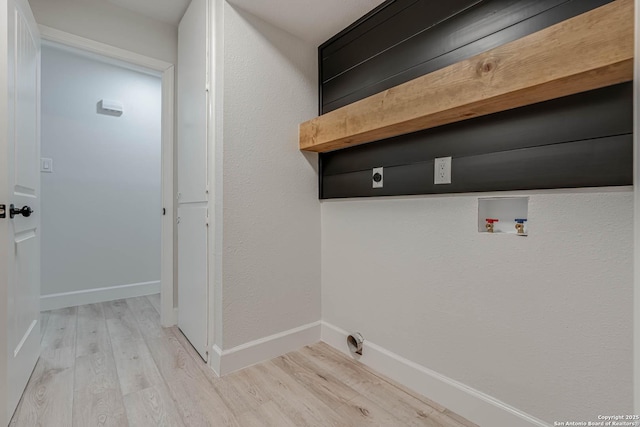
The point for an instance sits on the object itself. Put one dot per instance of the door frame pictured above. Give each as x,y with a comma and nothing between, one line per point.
168,313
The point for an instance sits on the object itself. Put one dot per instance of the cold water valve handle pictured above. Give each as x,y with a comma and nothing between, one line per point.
489,224
520,225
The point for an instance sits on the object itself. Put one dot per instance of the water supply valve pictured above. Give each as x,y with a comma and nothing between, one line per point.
520,225
489,224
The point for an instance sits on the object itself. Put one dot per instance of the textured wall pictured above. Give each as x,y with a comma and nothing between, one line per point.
543,323
107,23
101,205
271,214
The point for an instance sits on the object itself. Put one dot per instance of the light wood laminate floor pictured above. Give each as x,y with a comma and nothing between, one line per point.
111,364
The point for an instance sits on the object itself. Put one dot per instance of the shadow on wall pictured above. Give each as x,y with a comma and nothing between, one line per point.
279,39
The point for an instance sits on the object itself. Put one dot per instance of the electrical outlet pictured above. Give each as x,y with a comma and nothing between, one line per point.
377,177
442,170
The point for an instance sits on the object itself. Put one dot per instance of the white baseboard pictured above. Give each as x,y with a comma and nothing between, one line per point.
215,359
93,296
224,362
472,404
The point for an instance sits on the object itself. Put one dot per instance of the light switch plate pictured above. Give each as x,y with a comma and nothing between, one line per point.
46,165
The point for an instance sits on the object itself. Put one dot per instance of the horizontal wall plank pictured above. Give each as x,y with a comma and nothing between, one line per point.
589,51
391,28
567,165
588,115
473,31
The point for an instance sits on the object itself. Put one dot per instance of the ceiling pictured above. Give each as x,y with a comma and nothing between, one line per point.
314,21
169,11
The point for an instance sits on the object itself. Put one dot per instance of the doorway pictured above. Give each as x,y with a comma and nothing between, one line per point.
100,179
129,207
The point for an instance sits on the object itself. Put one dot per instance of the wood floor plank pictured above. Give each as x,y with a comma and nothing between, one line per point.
97,394
61,329
328,350
363,412
135,365
199,404
264,391
246,384
148,319
323,386
194,393
49,392
177,333
149,324
173,360
187,380
292,397
136,368
97,397
120,320
155,302
92,354
410,407
410,410
274,416
152,407
92,334
268,414
251,419
237,402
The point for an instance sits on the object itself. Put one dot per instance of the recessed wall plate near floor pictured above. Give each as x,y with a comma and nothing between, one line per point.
377,178
442,170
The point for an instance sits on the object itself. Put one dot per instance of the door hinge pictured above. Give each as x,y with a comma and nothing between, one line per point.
3,211
164,211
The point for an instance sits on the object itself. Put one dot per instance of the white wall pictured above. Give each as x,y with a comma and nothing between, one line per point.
271,213
101,206
105,22
542,322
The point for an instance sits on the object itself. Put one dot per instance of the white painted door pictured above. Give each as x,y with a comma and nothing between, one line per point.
192,176
19,186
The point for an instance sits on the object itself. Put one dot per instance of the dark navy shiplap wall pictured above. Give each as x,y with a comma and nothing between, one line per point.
582,140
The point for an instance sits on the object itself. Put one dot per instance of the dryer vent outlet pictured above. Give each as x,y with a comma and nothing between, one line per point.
377,177
355,342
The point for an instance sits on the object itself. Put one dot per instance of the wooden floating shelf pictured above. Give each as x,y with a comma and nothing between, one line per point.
589,51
